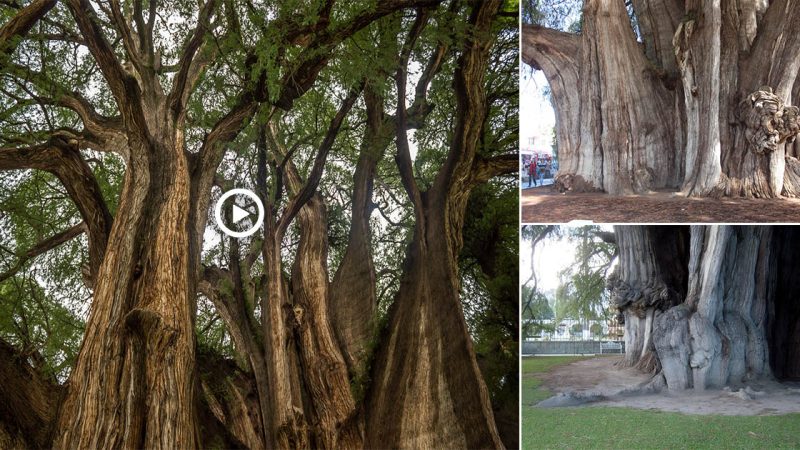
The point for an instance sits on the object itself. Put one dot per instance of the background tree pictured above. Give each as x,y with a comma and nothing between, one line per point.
536,234
708,306
688,95
534,318
135,116
581,293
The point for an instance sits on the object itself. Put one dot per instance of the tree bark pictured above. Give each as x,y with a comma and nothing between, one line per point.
336,423
19,25
731,323
652,279
685,110
426,388
615,111
141,319
354,298
29,402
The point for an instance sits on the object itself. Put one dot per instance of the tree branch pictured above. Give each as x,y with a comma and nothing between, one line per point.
485,169
470,102
66,163
43,247
314,177
419,107
225,130
403,156
124,86
21,23
178,95
549,50
132,48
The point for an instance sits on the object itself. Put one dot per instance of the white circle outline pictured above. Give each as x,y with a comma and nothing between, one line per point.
218,213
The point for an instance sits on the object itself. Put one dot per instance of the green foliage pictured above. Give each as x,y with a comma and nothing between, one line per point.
212,335
490,280
559,14
535,315
532,299
582,293
48,333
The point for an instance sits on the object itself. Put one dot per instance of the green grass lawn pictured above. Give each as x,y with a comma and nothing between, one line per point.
627,428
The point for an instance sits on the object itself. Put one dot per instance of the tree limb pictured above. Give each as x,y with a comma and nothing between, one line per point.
178,94
21,23
549,50
468,84
124,86
43,247
403,156
132,48
485,169
314,177
66,163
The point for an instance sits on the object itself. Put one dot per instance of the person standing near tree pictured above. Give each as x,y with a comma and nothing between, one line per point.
532,173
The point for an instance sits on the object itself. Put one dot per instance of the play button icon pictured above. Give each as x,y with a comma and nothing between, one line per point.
239,213
242,200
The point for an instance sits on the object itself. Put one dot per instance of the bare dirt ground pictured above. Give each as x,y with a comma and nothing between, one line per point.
599,375
604,384
544,205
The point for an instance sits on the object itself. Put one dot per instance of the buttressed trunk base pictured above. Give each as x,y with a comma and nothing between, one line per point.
703,105
729,322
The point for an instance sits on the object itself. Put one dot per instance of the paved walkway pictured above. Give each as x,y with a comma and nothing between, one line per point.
544,182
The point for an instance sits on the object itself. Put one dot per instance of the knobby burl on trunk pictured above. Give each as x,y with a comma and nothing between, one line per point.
139,380
709,306
700,100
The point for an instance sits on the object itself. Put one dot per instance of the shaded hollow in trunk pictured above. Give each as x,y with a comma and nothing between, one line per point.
784,312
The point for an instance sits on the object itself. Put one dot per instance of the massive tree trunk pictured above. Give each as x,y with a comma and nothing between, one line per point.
300,340
141,320
703,106
353,289
426,389
710,306
653,279
427,379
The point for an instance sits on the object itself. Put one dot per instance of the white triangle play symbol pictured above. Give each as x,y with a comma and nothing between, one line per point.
239,213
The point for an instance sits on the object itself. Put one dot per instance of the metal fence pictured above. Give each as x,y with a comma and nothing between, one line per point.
572,347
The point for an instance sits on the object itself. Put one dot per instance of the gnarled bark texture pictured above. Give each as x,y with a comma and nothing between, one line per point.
426,389
728,323
29,402
303,343
704,106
